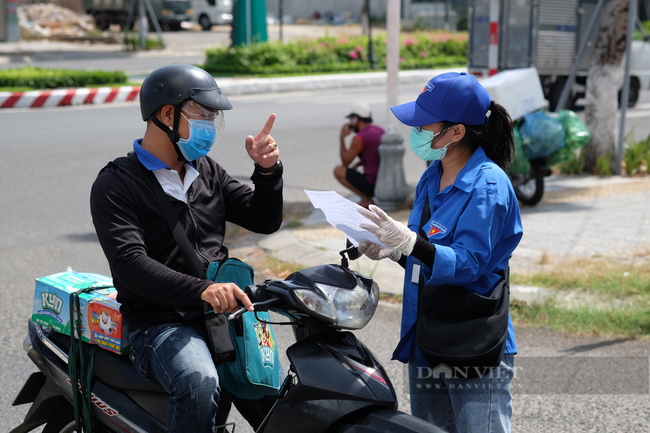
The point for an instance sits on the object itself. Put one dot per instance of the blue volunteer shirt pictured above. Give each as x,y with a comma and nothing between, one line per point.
475,225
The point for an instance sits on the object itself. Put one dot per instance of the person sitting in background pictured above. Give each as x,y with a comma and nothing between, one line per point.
365,146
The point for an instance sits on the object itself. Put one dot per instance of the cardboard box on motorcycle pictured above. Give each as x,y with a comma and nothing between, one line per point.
101,321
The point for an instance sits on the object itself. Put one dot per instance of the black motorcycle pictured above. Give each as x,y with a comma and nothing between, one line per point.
334,383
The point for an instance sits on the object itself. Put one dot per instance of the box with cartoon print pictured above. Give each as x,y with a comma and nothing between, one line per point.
101,321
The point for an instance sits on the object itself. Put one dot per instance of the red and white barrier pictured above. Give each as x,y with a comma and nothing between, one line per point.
60,97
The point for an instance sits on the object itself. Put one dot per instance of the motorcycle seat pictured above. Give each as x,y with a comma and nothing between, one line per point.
112,369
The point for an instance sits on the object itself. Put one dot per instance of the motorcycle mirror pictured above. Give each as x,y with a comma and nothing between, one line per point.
353,252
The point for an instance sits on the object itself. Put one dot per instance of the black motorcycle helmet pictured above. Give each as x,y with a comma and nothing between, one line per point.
175,84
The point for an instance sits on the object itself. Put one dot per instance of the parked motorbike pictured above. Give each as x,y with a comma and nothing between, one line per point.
334,383
529,187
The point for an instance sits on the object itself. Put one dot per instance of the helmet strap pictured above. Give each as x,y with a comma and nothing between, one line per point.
172,134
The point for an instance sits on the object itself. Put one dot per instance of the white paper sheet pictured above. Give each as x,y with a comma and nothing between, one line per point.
343,215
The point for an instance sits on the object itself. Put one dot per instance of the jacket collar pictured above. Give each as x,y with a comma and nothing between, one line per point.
466,179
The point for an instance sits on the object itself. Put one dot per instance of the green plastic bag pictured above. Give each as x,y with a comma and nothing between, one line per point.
576,137
520,163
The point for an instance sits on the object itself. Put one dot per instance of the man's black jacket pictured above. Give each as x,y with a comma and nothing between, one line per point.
149,273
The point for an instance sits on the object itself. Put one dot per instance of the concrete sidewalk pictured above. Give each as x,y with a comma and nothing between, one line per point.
579,216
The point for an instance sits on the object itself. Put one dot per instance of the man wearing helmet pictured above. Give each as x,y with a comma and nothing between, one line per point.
160,299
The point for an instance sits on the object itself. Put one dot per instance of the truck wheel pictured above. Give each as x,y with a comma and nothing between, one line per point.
634,93
205,23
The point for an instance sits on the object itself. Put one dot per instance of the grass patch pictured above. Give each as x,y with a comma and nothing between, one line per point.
632,321
43,78
614,279
617,298
389,297
90,86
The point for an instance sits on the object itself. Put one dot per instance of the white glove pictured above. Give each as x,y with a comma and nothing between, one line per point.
375,252
391,233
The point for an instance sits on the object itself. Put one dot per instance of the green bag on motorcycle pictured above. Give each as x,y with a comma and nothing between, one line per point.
256,371
520,163
576,136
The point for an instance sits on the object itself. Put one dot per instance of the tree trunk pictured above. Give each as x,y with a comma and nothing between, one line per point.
604,81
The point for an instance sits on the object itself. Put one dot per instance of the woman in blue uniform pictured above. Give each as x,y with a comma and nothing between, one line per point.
474,227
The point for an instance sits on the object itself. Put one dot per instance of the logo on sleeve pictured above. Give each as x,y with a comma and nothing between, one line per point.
436,228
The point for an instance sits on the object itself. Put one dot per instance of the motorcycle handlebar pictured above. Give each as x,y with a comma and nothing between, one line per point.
258,296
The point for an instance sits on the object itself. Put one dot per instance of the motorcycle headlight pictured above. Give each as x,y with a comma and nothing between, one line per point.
318,304
354,307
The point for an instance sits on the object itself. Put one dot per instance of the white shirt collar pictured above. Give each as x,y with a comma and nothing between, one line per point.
171,182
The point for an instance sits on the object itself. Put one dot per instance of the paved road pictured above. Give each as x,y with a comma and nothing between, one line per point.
51,156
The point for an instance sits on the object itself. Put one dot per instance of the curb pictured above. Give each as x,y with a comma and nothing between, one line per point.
62,97
237,86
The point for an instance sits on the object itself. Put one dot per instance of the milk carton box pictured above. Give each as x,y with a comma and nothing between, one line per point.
101,321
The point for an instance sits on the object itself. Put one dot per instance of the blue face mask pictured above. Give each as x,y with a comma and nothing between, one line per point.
420,141
203,135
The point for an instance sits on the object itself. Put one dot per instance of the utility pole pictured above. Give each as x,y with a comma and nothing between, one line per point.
143,25
493,47
371,51
142,4
391,189
625,94
281,13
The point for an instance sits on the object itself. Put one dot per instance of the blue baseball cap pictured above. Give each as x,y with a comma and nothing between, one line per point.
454,96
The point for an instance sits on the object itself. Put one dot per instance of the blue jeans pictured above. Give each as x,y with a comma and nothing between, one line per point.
177,357
481,405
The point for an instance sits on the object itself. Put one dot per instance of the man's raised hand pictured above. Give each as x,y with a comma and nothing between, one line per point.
263,148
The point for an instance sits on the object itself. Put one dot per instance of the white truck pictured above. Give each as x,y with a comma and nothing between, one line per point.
546,34
210,12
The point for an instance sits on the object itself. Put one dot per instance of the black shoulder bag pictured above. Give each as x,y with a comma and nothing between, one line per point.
219,338
460,328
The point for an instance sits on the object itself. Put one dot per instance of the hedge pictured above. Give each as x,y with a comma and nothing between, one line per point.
41,78
420,51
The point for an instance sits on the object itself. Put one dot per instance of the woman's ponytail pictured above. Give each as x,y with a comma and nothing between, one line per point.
499,144
495,137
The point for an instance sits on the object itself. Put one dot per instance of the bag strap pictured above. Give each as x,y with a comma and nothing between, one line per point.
79,368
426,214
191,258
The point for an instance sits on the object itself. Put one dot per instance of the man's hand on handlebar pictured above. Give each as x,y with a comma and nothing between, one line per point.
224,298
